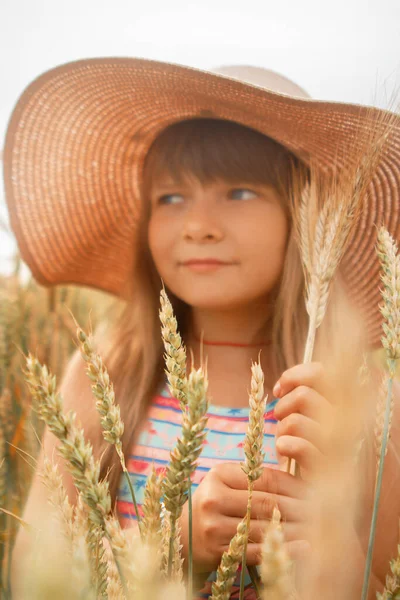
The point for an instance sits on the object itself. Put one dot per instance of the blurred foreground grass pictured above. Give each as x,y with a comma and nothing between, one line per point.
36,319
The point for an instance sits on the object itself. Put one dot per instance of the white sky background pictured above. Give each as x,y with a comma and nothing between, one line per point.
344,50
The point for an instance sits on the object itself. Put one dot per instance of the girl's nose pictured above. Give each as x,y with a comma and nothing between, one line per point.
201,224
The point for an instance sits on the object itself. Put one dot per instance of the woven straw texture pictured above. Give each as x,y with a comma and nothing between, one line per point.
78,138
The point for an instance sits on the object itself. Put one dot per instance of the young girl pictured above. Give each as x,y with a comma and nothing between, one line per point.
121,173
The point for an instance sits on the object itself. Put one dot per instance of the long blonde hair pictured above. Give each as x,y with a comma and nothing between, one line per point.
207,149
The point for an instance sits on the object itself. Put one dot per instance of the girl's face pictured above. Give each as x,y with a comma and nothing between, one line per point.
241,230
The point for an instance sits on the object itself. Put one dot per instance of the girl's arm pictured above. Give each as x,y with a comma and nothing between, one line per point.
77,396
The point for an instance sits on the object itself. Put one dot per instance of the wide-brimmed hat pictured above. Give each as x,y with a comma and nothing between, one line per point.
79,134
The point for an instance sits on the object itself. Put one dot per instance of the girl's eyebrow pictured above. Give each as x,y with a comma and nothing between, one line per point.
166,186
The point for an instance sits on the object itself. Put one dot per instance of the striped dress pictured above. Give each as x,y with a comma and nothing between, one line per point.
226,430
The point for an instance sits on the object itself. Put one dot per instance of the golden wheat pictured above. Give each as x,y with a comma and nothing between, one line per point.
175,353
275,562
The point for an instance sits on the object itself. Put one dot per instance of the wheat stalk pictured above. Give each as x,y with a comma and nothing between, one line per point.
380,419
326,208
97,560
390,308
253,444
58,496
175,353
176,571
85,470
226,572
275,562
78,453
109,411
103,391
187,449
151,521
114,588
392,587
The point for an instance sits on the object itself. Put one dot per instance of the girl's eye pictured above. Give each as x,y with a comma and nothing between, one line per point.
170,199
242,194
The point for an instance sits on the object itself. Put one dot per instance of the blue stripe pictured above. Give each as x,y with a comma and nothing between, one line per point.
204,454
179,426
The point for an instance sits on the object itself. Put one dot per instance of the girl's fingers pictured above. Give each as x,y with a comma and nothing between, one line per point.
296,550
310,375
262,506
291,531
291,509
302,451
272,481
307,402
298,425
221,531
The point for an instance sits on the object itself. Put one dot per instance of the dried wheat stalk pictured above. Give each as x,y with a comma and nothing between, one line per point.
275,562
253,448
58,496
109,411
227,570
188,448
175,352
103,391
392,587
151,521
176,574
390,308
326,207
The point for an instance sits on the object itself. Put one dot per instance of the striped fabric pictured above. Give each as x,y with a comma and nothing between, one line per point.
226,430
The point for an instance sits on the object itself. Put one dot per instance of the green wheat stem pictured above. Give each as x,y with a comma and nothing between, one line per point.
378,487
190,566
128,479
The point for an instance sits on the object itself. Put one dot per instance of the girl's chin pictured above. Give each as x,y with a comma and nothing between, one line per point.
215,300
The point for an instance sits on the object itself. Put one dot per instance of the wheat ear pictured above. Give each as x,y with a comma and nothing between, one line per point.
58,496
390,308
109,411
392,586
253,444
114,588
77,452
187,449
176,572
326,209
97,560
275,562
151,521
175,352
227,570
85,470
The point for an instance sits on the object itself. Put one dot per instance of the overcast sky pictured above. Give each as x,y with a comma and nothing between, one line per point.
344,50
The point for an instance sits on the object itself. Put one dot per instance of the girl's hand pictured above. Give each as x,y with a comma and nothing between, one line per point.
306,417
220,502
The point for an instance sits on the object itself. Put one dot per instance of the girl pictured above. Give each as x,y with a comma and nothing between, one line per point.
123,172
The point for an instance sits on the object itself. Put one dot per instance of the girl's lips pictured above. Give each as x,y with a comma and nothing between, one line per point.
204,265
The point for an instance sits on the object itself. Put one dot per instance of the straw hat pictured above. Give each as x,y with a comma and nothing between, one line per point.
79,134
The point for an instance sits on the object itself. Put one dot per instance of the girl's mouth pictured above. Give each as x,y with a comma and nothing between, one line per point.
203,265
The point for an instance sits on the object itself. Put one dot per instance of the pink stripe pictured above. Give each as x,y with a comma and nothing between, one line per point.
150,454
128,508
223,424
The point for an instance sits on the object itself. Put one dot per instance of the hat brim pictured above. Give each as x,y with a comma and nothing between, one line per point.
78,137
